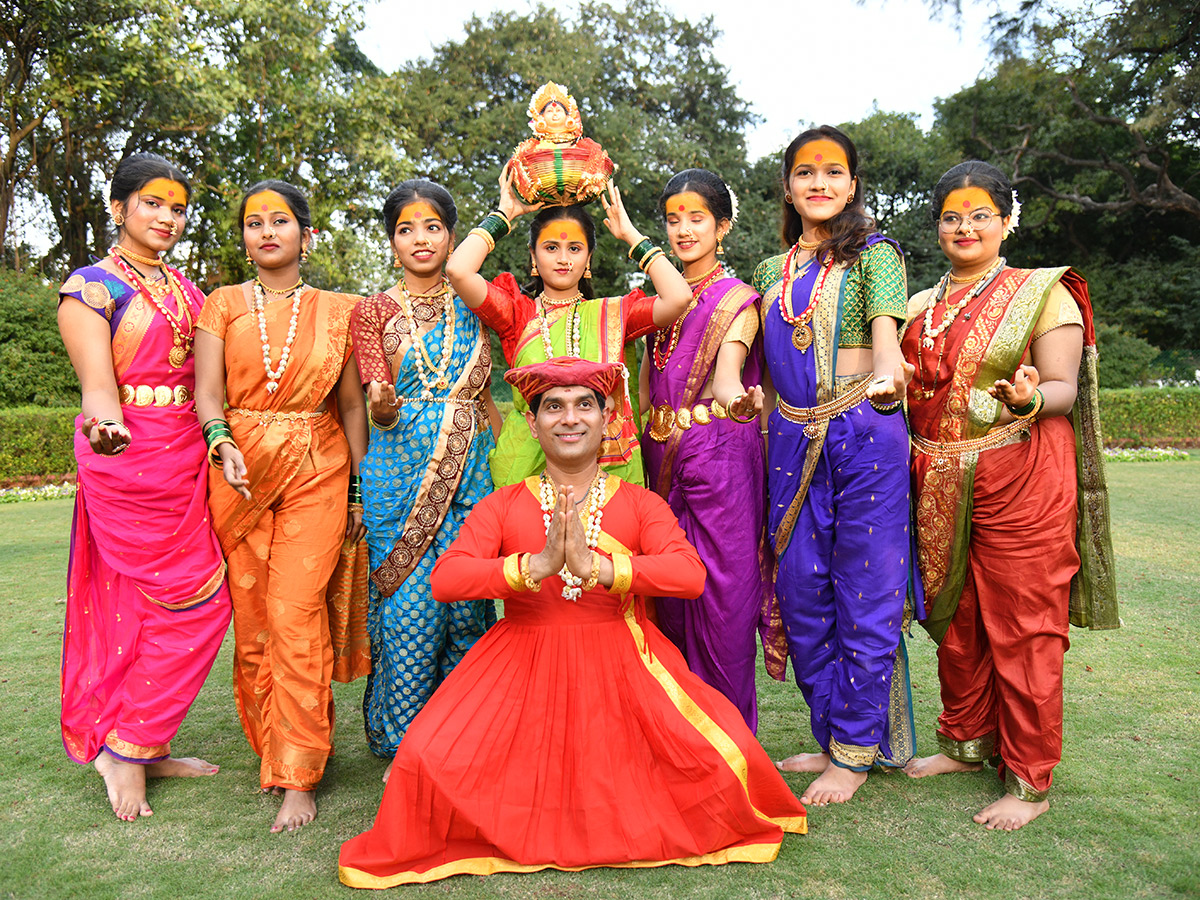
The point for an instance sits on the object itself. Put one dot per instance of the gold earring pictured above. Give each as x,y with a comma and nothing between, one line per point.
587,272
720,247
303,254
850,199
395,260
248,259
118,219
533,272
787,198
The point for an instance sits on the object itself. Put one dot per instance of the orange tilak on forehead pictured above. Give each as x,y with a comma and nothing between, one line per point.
686,203
165,189
964,200
814,153
562,231
418,210
266,202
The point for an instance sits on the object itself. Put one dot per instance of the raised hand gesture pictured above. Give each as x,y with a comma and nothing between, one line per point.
616,219
510,203
1019,391
381,402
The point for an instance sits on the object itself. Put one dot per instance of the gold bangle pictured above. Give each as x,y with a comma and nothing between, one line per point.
530,584
214,458
394,423
734,399
512,572
487,238
594,576
622,574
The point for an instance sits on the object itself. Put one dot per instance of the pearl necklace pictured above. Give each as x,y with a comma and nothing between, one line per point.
952,311
422,358
548,494
156,292
670,336
572,328
275,375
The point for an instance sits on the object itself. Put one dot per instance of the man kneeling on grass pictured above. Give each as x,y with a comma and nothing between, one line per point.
572,735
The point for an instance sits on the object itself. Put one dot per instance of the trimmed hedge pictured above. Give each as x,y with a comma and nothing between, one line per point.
36,442
1150,417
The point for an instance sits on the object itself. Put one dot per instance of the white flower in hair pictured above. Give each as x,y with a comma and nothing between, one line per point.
733,203
1015,215
108,197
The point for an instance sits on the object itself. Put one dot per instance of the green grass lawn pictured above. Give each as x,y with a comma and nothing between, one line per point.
1123,821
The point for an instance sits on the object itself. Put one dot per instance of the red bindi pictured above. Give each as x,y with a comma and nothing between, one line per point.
966,204
818,157
170,193
562,235
264,207
682,207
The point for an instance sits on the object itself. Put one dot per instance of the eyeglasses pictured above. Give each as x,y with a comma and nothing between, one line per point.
978,220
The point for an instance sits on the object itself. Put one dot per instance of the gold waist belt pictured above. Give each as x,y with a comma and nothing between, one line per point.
665,418
267,416
146,395
810,418
945,454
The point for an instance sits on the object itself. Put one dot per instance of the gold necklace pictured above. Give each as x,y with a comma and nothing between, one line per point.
810,246
133,257
700,278
282,293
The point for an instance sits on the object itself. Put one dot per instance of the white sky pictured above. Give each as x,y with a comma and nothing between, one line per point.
890,52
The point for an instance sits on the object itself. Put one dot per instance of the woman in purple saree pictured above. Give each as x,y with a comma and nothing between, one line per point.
702,446
838,510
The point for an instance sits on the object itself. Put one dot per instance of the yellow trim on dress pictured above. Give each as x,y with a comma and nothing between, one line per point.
512,572
708,729
491,865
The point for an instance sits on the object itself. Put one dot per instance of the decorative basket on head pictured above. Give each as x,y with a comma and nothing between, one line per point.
558,165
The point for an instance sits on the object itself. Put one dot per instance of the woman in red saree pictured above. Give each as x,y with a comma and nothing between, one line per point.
147,605
289,447
1012,508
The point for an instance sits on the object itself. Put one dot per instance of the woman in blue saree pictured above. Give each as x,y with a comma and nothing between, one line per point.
425,363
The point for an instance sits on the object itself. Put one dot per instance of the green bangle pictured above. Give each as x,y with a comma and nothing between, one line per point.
496,225
641,248
1027,408
354,492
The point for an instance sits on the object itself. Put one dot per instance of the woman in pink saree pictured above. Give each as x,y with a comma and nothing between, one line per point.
147,605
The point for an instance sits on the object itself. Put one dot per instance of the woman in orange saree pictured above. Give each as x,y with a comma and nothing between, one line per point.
289,447
147,605
1012,508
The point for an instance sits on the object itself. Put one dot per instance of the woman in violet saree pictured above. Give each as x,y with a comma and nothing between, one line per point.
1012,507
426,362
557,315
837,455
285,499
147,604
703,449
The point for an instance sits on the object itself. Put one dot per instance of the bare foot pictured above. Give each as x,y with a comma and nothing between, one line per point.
938,764
387,773
126,785
181,767
805,762
836,785
1008,813
298,809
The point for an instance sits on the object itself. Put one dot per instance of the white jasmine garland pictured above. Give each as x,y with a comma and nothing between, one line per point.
1015,216
733,202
